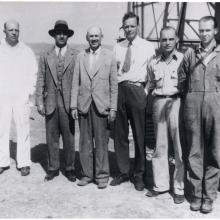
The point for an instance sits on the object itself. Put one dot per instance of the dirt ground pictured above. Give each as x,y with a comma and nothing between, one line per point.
31,197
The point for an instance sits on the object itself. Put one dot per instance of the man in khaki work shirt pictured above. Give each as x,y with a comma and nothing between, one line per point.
166,104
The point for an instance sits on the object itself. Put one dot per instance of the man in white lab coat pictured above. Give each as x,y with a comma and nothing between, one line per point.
18,68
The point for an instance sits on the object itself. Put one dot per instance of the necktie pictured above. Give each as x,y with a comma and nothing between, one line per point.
92,60
127,62
60,55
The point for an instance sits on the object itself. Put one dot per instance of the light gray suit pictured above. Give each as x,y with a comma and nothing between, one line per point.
99,85
94,93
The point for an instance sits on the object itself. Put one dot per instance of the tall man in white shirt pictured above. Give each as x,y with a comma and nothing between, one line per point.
18,76
132,56
54,83
166,104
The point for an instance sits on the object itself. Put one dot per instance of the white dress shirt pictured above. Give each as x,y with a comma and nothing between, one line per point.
63,50
141,52
93,57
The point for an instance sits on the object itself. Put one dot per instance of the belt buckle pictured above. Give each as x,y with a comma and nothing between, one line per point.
134,83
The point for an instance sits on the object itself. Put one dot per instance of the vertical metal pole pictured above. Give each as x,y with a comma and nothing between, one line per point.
133,8
142,19
181,23
129,6
217,18
165,17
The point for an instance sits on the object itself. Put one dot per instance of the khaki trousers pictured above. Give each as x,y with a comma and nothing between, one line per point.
166,123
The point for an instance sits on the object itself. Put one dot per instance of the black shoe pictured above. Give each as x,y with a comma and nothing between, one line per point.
139,184
70,175
51,174
206,206
2,169
25,171
119,179
195,205
178,198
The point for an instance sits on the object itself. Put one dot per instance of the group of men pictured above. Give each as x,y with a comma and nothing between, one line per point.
98,86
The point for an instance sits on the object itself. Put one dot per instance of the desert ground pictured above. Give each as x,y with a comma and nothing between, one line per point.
31,197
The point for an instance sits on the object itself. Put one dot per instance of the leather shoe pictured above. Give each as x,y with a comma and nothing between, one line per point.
51,174
70,175
195,205
152,193
102,185
2,169
119,179
84,181
206,206
139,184
25,171
178,198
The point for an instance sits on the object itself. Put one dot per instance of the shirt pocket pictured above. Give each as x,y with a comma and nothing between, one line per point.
158,78
174,77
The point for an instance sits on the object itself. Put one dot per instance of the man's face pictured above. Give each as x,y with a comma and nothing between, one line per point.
61,39
130,28
207,31
168,40
12,32
94,38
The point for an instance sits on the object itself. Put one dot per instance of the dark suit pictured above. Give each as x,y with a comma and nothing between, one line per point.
94,93
54,94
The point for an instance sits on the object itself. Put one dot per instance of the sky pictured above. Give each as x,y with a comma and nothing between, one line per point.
36,18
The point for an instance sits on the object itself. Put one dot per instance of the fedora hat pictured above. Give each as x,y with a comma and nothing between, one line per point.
59,26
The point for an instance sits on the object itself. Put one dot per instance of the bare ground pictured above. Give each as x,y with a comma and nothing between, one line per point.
31,197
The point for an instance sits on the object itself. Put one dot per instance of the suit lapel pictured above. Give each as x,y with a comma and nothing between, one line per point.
51,60
68,57
86,62
98,63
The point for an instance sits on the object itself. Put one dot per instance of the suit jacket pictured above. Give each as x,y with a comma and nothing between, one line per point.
99,85
47,82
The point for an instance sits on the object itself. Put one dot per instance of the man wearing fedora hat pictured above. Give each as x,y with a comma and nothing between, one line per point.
53,100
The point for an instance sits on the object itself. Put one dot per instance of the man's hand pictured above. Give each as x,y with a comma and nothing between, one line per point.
74,114
146,91
112,115
41,109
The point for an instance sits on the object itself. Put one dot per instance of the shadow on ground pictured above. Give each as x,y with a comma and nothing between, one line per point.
39,155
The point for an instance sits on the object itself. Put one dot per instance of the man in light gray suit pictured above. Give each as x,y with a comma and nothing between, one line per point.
94,98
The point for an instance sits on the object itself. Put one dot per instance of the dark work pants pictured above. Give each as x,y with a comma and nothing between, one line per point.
131,106
202,124
60,123
94,125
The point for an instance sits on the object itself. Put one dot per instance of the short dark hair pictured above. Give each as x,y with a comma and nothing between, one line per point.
209,18
130,15
166,28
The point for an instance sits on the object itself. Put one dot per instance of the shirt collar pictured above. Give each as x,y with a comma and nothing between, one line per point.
211,47
173,56
134,42
97,52
4,42
63,50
